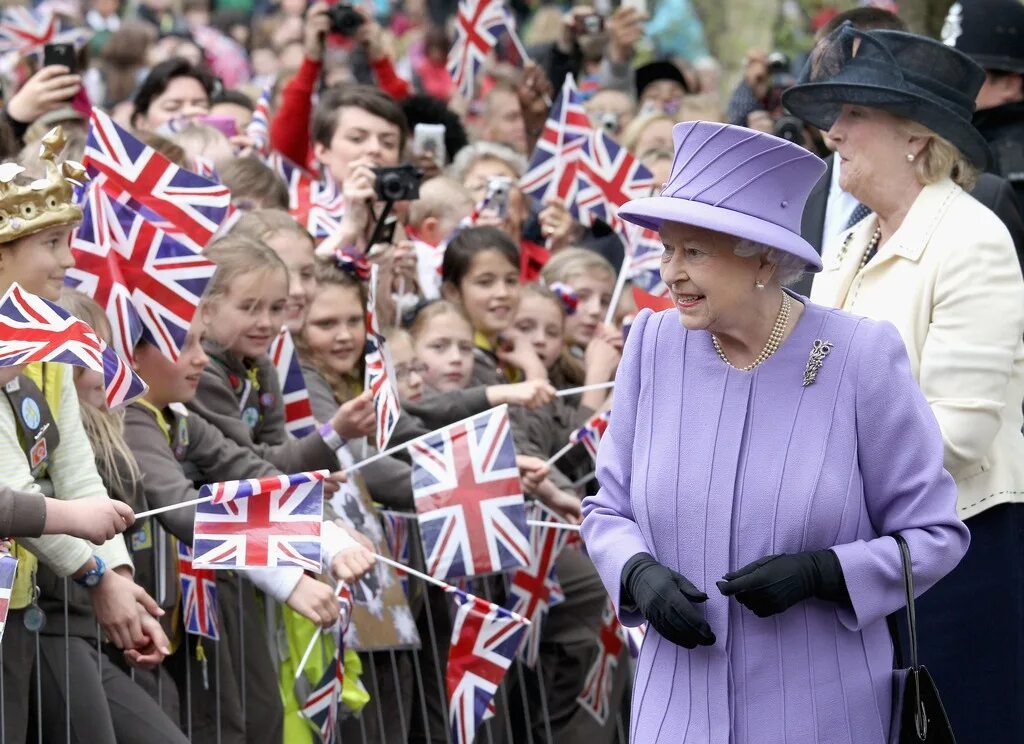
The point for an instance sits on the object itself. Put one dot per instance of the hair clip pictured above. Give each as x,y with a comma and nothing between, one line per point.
353,262
567,296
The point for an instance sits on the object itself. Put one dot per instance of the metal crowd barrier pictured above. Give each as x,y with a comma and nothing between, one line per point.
535,728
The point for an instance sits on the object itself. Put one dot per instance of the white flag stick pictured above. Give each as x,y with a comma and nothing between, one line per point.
553,525
560,454
314,639
399,447
620,282
584,389
172,507
437,582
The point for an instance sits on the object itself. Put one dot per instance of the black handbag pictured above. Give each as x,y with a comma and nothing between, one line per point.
918,715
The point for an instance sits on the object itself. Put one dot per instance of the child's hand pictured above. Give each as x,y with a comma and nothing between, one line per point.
556,224
94,518
315,601
565,505
532,394
154,650
532,471
602,355
518,352
355,418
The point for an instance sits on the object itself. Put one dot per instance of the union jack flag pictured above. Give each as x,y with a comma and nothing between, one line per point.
478,26
8,567
535,589
35,330
485,639
645,262
267,522
26,31
147,283
321,705
469,499
553,171
380,373
316,203
258,128
595,698
298,411
182,203
589,435
198,596
609,177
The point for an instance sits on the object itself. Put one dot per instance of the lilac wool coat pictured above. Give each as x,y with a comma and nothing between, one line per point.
708,468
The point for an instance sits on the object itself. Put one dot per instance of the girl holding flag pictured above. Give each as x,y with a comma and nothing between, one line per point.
43,447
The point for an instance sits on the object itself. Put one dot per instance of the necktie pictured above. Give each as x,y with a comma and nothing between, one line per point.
859,213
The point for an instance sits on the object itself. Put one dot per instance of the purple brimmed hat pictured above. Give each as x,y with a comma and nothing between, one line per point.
735,181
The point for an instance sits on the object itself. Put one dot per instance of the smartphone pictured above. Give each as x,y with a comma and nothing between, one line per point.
497,195
60,54
591,24
223,124
428,139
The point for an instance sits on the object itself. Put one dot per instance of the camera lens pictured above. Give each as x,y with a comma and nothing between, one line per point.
392,186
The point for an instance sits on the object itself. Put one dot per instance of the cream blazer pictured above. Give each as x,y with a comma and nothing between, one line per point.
949,280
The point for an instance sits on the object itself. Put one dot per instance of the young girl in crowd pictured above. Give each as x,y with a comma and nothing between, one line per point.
107,703
244,308
290,241
43,447
592,279
239,391
174,451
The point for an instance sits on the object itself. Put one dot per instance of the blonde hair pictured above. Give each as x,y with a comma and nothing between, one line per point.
631,134
105,428
433,310
573,262
567,369
235,256
344,386
262,224
940,158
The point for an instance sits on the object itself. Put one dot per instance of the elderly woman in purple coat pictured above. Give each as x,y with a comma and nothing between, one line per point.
762,451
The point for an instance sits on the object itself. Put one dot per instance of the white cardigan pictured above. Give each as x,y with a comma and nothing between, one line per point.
950,282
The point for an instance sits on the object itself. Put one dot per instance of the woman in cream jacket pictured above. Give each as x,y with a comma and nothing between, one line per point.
942,268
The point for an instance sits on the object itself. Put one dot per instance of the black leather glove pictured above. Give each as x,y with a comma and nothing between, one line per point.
666,599
776,583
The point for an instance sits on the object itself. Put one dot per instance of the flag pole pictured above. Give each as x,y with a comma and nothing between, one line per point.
560,454
553,525
399,447
620,281
172,507
584,389
443,585
316,636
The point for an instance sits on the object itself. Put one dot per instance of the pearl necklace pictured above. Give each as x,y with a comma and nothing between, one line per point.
876,237
773,343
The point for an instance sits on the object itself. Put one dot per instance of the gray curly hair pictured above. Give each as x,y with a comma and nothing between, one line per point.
469,155
788,268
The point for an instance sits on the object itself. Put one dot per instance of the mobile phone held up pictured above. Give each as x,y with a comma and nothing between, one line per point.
61,54
428,139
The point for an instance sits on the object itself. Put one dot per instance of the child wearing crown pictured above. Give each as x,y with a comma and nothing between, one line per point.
43,447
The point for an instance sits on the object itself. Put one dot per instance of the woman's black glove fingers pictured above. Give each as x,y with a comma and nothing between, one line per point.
667,600
775,583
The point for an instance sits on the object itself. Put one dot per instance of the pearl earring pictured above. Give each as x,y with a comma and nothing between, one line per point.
910,157
759,284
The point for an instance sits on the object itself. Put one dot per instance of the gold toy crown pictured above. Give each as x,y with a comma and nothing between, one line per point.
46,202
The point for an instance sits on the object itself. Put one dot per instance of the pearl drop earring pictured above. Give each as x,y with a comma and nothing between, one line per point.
910,157
759,284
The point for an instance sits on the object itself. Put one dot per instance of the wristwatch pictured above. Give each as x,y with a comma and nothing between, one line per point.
91,579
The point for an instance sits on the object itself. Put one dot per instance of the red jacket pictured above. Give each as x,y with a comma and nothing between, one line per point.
289,129
532,257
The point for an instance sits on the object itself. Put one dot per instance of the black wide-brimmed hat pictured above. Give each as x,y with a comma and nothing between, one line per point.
906,74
